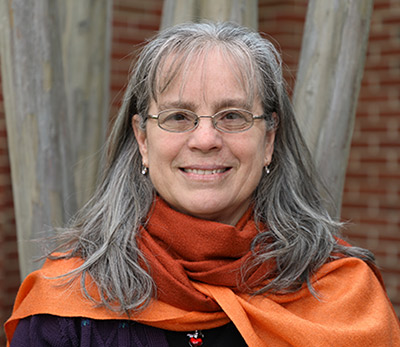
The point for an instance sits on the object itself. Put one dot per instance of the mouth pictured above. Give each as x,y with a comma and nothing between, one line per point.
205,171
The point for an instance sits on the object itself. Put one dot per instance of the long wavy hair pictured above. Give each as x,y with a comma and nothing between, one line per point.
300,236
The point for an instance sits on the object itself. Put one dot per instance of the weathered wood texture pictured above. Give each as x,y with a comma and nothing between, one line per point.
86,46
243,12
48,106
328,83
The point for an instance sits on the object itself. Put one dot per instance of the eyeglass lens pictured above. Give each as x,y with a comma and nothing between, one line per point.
232,120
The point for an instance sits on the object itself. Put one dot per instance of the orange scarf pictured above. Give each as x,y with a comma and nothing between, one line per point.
353,309
182,249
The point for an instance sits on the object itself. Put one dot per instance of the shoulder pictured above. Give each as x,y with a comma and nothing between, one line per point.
43,292
351,288
348,270
46,288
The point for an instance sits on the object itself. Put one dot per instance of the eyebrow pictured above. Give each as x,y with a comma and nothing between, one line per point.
237,103
177,104
220,104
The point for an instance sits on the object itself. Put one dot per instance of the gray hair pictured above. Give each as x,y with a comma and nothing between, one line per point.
300,234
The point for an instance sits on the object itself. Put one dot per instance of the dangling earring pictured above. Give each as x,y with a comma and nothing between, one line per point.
144,170
266,168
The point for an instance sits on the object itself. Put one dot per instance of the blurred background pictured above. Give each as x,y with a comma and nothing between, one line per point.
371,201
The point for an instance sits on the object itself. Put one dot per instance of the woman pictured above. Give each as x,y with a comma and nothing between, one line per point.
207,228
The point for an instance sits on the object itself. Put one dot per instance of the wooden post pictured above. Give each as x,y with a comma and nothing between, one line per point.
328,83
42,136
177,11
244,12
86,47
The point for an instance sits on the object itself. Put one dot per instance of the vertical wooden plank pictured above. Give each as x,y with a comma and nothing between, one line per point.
55,68
178,11
328,83
85,28
244,12
36,118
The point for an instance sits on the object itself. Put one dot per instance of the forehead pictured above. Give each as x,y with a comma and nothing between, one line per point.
206,73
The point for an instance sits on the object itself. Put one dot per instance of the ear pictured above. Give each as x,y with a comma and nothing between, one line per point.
141,139
270,140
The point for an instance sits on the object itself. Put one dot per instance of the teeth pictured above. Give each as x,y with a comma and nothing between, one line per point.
204,172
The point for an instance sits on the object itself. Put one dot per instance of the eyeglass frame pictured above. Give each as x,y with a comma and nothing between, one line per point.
197,122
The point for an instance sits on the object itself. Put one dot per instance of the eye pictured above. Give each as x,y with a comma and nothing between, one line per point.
233,120
232,116
177,116
177,120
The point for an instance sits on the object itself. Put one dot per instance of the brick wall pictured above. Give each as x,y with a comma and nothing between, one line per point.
372,195
133,21
282,22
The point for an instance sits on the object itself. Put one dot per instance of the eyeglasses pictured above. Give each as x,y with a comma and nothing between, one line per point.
228,121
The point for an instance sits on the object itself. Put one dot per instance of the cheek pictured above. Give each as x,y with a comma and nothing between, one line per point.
161,149
251,151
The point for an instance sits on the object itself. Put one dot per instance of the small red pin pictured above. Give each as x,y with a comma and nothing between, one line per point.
196,339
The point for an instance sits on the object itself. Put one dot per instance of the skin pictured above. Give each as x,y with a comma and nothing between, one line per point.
204,172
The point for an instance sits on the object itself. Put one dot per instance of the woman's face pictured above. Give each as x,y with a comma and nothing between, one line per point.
204,172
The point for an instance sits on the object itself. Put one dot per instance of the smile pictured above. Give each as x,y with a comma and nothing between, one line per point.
205,172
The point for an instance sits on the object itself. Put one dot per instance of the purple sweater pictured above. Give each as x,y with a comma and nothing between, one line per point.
47,330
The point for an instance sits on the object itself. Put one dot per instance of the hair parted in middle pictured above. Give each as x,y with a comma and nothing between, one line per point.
299,234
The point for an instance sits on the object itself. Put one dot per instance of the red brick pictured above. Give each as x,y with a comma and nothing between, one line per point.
382,5
393,18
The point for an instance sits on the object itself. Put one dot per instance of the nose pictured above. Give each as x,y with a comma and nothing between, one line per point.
205,137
